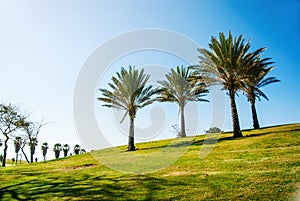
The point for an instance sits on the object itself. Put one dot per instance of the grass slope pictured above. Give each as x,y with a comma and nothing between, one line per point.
263,165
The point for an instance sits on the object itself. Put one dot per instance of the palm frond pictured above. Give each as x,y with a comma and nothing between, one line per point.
128,92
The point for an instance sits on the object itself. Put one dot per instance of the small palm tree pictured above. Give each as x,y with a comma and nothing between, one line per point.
77,149
57,149
128,92
177,88
45,149
66,149
32,145
17,143
1,143
254,82
226,63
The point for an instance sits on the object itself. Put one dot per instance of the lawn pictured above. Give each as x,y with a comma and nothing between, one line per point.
263,165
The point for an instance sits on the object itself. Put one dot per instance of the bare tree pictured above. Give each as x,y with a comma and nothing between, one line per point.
32,131
11,120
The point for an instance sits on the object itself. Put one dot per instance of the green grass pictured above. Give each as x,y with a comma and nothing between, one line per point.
263,165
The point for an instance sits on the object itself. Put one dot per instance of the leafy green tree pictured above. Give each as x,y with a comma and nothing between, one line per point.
57,149
44,149
17,143
10,120
226,63
177,88
66,149
254,82
128,92
77,149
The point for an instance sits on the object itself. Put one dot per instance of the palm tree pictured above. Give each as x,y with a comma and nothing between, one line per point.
177,88
66,149
45,149
226,63
128,92
17,143
57,149
254,82
77,149
32,145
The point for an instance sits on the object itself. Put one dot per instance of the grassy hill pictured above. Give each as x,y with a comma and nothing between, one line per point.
263,165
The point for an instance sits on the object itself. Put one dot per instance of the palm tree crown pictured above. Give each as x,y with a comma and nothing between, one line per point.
177,88
44,149
128,92
254,82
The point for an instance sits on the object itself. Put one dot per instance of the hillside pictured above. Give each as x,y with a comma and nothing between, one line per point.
263,165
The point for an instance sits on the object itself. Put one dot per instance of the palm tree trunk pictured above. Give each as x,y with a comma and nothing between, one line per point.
235,118
254,115
44,155
31,154
131,146
17,158
5,151
182,122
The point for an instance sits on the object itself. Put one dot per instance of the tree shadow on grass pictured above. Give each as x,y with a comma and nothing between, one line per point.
87,187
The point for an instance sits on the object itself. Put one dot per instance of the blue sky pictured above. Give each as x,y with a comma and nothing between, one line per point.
43,45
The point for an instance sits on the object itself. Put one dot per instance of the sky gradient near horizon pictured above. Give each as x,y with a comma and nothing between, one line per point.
43,45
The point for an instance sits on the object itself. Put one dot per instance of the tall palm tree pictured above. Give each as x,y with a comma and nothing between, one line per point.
57,149
128,92
66,149
254,82
17,143
225,63
45,149
177,88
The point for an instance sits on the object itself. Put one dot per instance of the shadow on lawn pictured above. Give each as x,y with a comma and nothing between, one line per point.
87,187
213,140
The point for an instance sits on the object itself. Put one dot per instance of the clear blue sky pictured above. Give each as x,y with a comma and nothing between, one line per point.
43,45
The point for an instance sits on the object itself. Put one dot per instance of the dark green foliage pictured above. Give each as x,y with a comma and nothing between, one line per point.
255,81
77,149
228,62
66,149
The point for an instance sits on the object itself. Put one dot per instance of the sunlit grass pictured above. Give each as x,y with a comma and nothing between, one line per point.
263,165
